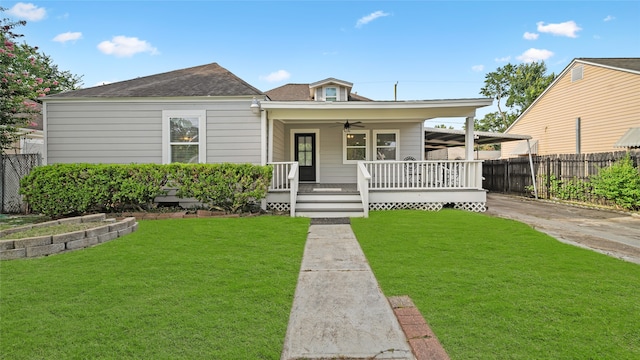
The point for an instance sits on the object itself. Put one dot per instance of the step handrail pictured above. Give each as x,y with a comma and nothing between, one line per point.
363,187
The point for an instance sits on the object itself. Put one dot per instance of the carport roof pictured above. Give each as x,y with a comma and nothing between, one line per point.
436,138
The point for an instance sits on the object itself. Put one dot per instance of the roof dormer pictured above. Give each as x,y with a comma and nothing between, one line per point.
330,90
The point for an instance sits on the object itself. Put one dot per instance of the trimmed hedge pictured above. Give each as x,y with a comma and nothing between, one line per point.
71,189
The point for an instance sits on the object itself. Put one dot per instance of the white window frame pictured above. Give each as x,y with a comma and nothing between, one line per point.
375,146
344,145
324,92
202,132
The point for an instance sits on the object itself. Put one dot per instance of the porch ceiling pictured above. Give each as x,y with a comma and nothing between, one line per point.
373,110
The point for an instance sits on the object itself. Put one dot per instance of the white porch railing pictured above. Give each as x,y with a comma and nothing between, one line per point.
444,174
285,178
363,187
280,180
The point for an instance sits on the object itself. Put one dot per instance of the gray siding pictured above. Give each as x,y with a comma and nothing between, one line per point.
332,170
131,132
278,142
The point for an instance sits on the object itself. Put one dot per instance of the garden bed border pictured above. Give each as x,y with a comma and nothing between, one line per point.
105,230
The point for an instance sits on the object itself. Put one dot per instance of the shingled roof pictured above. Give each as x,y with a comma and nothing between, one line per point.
205,80
300,92
620,63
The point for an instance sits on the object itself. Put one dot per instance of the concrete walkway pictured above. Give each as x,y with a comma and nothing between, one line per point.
338,310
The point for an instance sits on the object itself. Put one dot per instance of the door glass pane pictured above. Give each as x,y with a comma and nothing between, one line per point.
305,150
184,129
184,153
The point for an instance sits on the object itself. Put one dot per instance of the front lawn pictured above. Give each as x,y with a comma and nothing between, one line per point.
175,289
492,288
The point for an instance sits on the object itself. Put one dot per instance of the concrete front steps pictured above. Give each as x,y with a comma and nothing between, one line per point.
329,205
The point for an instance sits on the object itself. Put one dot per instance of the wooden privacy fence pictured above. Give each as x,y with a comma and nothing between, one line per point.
564,176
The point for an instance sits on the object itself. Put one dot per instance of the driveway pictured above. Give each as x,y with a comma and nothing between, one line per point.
613,233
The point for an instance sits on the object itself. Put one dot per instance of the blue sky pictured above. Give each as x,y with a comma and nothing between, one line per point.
431,49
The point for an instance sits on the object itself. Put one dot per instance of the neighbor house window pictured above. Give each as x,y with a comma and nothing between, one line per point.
355,146
330,94
385,144
184,136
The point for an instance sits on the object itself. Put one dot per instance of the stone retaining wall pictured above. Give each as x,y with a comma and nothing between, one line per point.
105,230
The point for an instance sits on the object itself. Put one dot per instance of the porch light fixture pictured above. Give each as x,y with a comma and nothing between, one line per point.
255,106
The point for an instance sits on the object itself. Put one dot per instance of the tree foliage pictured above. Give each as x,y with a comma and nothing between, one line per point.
514,87
26,75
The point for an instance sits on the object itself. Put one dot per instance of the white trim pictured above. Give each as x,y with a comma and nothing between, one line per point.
45,148
292,153
377,105
367,146
374,142
202,132
190,99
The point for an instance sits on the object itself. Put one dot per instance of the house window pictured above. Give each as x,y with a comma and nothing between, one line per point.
330,94
355,146
184,136
386,144
576,73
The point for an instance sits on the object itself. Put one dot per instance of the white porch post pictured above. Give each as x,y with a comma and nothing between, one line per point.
263,137
270,155
468,138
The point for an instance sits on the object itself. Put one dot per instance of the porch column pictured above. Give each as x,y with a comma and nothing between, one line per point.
263,137
468,138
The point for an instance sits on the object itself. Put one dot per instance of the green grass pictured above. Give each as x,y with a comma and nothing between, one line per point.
492,288
175,289
52,230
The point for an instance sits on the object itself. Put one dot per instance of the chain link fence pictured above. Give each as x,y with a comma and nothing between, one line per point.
14,167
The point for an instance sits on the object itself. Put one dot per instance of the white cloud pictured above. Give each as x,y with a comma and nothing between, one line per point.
567,28
276,76
609,18
28,11
530,36
369,18
477,68
533,54
503,59
123,46
68,36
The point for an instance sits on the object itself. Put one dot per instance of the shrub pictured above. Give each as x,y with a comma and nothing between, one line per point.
620,183
68,189
230,187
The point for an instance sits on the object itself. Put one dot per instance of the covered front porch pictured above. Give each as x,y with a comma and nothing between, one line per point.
380,185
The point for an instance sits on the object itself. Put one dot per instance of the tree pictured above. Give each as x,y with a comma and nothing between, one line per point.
26,75
514,87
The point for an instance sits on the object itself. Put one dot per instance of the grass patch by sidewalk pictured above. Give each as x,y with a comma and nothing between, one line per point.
212,288
493,288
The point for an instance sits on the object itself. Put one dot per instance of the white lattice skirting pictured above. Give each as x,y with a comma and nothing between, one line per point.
431,206
279,206
471,206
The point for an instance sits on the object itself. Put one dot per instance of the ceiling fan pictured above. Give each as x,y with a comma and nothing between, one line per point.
348,125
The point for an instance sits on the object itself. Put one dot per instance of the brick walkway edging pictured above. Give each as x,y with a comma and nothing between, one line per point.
423,341
105,230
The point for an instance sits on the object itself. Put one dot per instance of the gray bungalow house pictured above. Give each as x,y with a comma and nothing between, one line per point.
334,153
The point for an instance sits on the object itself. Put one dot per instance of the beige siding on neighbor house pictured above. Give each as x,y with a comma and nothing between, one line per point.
332,169
131,132
606,101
